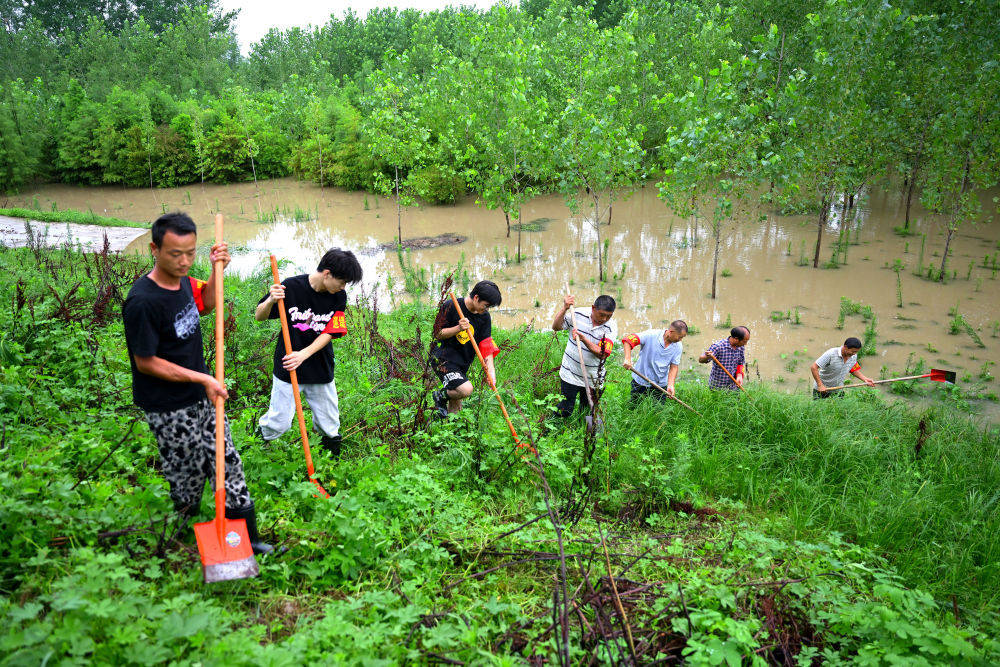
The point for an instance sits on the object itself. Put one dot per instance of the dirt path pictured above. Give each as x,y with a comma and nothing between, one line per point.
14,232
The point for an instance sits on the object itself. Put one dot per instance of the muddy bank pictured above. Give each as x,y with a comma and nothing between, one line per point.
18,233
659,266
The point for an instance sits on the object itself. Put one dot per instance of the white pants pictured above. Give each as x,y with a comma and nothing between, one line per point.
322,399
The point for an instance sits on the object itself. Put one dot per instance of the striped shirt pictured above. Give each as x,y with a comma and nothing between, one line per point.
730,357
570,370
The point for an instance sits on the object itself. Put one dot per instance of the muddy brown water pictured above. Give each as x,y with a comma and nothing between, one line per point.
666,274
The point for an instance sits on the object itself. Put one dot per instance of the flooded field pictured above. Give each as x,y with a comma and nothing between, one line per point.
657,270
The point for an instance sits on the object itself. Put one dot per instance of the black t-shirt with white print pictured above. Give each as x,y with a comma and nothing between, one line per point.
164,323
310,313
453,350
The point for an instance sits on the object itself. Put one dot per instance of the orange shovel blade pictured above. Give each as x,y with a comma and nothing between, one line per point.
233,559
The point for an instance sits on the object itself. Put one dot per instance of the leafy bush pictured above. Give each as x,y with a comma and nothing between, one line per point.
436,184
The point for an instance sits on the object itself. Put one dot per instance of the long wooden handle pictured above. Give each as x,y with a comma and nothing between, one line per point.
724,369
665,392
220,375
865,384
486,372
283,316
583,366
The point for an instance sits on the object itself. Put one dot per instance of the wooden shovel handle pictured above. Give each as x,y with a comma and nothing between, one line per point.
726,370
220,375
865,384
489,380
665,392
293,376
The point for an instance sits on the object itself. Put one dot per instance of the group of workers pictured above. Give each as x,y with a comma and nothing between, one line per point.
172,385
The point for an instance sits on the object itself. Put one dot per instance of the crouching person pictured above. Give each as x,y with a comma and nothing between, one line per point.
170,380
659,359
455,334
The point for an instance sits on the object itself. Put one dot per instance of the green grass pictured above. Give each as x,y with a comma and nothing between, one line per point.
772,518
67,215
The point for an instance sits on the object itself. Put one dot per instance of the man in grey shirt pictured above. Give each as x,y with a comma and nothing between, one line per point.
832,367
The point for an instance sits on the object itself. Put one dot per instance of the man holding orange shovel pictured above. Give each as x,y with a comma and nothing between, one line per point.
728,360
170,380
832,367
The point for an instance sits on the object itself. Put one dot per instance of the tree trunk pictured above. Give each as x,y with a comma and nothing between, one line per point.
909,200
823,212
715,258
610,206
399,212
506,216
600,250
319,147
944,255
518,234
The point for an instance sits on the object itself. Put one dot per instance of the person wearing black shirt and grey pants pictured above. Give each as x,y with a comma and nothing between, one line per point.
453,354
315,303
170,380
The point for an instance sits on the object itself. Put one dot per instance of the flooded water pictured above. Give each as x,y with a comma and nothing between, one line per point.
657,272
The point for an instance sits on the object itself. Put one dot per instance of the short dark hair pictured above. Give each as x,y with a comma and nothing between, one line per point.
605,302
177,222
341,264
487,291
739,333
853,343
679,325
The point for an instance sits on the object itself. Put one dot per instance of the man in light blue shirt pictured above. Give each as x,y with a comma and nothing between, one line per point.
659,359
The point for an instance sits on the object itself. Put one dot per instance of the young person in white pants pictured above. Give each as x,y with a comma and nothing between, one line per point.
315,303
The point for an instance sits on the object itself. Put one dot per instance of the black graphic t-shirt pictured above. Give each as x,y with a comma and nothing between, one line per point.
454,350
310,313
164,323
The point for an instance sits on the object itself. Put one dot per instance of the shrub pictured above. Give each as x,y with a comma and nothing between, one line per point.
436,184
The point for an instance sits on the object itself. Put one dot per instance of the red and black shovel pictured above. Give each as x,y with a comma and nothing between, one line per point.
936,375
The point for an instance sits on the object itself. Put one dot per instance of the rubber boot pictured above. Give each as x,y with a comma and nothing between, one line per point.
250,516
331,443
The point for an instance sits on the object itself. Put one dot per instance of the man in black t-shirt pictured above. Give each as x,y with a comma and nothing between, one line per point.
453,352
170,381
315,303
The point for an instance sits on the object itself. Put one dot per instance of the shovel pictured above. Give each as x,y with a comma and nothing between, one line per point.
594,423
665,393
726,370
223,544
936,375
295,386
489,381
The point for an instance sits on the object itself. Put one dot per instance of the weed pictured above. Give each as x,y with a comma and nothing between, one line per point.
727,323
726,273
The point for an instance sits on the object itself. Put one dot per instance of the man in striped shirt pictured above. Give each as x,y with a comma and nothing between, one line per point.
730,353
595,331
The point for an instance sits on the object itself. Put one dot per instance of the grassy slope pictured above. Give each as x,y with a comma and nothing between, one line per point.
828,520
68,215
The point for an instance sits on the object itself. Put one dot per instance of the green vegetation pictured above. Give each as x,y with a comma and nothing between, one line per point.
835,529
809,104
78,217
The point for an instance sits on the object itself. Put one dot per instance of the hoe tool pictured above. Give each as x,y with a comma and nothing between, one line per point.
936,375
656,386
224,544
594,423
490,382
295,386
726,370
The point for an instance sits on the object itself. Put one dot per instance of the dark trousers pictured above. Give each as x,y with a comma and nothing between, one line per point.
639,391
571,394
826,394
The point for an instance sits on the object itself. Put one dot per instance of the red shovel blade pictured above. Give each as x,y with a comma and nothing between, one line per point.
233,559
938,375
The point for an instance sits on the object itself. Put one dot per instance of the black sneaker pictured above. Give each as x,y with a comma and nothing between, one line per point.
331,444
440,403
